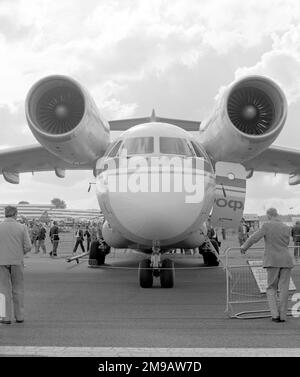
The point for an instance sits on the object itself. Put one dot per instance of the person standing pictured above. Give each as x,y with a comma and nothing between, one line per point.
212,235
277,261
243,232
98,251
296,239
79,240
33,234
87,234
53,234
94,232
14,243
41,239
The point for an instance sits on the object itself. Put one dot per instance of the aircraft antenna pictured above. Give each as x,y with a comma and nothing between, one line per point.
153,116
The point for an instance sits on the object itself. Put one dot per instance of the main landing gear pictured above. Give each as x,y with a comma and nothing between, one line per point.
155,267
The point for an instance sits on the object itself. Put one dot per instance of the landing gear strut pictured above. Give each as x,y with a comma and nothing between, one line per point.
155,267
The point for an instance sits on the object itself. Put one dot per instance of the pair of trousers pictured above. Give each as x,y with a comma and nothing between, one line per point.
12,291
78,242
88,244
54,247
278,279
297,249
41,243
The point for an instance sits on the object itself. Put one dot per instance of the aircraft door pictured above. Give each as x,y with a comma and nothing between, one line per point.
230,195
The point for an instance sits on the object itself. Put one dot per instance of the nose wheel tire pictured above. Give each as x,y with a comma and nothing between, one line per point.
145,274
167,274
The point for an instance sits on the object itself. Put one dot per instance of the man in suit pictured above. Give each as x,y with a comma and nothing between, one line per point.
54,230
14,243
277,261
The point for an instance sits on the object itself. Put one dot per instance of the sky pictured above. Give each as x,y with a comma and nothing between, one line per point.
135,55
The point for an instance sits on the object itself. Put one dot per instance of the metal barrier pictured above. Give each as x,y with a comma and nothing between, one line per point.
246,283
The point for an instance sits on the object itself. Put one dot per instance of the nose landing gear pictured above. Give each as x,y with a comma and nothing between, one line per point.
155,267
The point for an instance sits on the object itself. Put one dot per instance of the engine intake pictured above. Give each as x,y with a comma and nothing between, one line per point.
251,111
56,106
64,118
255,106
247,119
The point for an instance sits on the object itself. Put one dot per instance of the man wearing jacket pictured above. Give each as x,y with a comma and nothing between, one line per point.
14,243
53,234
41,239
277,261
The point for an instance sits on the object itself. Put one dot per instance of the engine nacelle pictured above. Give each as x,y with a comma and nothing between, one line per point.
65,120
294,179
247,119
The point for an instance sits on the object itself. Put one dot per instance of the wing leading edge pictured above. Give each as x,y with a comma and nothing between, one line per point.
33,158
276,159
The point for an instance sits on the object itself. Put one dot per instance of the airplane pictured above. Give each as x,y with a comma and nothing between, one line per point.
157,183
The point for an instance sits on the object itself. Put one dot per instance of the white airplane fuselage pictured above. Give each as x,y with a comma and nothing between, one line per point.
155,198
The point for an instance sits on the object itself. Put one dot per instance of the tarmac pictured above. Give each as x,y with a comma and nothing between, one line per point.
75,310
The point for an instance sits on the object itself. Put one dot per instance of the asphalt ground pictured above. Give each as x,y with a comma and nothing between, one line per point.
70,305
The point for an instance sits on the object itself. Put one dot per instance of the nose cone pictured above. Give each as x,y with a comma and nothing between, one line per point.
154,216
61,111
249,112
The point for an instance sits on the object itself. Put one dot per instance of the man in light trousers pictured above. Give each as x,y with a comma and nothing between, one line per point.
14,243
277,261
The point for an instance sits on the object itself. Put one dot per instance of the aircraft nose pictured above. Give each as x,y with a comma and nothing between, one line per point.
154,216
155,203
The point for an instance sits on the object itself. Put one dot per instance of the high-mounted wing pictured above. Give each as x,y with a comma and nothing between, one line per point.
124,124
30,159
277,159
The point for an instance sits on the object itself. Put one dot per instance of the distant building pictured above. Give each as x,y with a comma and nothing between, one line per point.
48,212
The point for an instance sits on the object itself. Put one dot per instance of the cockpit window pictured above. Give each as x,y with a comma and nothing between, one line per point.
173,145
139,145
113,152
197,150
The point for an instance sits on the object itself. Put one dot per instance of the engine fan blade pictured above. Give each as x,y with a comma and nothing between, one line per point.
251,110
60,110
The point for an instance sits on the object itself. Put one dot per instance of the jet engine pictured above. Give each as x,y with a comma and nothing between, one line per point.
65,120
247,119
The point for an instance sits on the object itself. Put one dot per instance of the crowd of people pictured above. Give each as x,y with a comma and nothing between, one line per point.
38,233
17,239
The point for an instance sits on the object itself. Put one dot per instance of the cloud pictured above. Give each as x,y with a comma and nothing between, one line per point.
281,66
13,128
270,190
126,39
